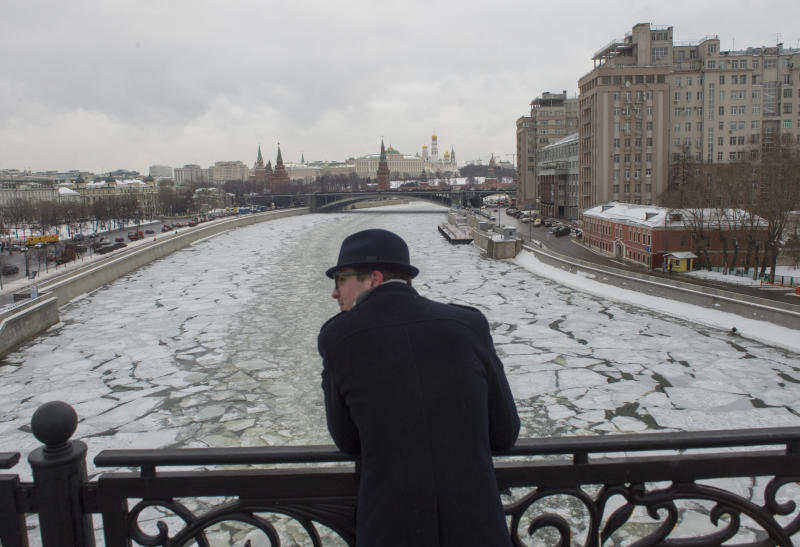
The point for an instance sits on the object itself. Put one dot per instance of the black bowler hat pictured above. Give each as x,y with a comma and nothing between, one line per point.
374,248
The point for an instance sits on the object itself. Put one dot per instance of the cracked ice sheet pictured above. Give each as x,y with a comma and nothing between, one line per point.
217,344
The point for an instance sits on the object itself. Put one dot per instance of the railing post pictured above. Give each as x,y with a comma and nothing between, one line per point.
59,475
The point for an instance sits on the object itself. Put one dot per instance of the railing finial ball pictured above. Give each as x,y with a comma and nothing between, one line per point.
54,422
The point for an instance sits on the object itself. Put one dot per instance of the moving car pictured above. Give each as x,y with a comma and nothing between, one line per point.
10,269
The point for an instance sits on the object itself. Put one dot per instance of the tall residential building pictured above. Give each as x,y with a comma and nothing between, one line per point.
553,117
650,104
526,148
624,119
557,178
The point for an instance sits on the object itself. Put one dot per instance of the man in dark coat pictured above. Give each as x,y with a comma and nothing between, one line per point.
415,387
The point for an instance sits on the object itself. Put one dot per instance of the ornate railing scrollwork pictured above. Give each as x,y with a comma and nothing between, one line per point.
566,490
337,517
661,505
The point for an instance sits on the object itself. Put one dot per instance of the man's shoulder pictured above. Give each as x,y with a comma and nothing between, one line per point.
463,307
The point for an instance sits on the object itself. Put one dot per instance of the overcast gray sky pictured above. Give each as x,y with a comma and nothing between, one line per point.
106,84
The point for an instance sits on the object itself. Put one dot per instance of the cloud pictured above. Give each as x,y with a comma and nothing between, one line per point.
130,83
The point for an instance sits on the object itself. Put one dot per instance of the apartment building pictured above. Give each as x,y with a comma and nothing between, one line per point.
553,117
526,173
650,104
557,178
624,119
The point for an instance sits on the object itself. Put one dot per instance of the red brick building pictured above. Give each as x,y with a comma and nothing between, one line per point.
645,234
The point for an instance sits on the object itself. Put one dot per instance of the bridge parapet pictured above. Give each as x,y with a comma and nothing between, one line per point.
698,488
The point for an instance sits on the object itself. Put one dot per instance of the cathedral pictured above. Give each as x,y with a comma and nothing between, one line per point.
432,161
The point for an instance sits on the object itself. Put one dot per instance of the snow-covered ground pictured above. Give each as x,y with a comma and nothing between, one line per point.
215,345
785,271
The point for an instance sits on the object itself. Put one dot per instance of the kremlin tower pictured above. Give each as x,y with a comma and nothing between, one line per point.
259,174
491,178
383,170
279,180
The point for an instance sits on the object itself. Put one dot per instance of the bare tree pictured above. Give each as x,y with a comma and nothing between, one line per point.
776,194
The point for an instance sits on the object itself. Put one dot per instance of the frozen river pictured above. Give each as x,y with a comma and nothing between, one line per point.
215,345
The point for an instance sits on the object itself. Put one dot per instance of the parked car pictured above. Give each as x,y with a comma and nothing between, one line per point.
559,231
149,231
10,269
119,239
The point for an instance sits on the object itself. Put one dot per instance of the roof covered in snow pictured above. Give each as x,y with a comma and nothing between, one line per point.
659,217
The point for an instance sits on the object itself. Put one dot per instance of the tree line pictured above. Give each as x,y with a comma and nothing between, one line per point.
41,217
744,204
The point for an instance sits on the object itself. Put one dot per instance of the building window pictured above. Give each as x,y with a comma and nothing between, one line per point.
720,157
722,78
787,108
658,53
721,110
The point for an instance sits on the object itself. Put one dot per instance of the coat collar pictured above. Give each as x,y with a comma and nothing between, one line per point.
393,285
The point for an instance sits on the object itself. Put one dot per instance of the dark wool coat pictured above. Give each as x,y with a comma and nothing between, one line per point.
416,388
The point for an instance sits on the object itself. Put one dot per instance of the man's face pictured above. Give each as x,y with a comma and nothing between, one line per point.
347,286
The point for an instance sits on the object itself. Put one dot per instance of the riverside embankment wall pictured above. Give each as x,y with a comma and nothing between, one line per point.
24,322
751,307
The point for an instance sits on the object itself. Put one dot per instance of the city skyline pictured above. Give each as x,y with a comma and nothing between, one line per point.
98,87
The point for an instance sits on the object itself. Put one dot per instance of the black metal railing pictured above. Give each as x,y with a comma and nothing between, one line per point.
643,489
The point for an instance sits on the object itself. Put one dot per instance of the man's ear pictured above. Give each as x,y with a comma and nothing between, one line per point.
376,277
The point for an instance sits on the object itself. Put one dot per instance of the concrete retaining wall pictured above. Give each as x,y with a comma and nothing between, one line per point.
24,322
751,307
497,249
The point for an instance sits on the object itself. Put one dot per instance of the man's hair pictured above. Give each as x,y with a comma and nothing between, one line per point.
363,273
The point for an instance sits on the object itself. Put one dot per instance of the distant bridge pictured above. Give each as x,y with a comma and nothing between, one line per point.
326,202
